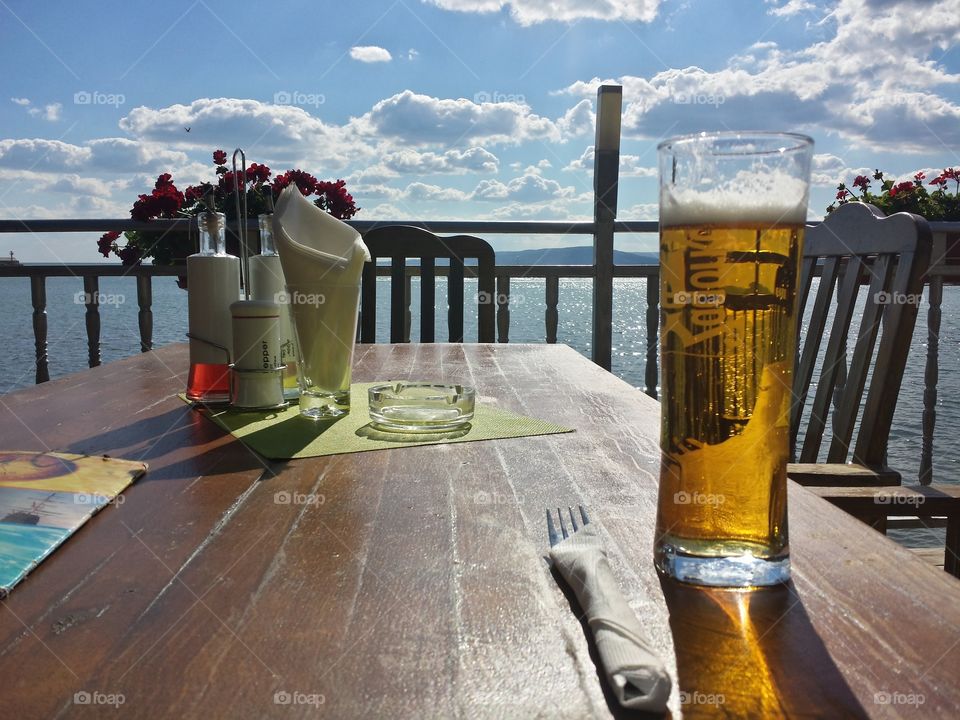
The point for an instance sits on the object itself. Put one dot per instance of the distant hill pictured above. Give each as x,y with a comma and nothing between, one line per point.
570,256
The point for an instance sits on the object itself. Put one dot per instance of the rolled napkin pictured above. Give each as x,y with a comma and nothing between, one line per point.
635,672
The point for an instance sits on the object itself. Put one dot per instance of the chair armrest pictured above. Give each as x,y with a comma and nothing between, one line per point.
841,475
871,503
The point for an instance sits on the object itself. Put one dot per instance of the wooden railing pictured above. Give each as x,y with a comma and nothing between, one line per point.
941,273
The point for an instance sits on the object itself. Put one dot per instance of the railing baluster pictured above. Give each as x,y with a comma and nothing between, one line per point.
553,299
930,377
407,316
145,315
503,308
91,292
653,323
38,298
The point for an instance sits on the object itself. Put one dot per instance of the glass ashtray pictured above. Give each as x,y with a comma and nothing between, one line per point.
421,406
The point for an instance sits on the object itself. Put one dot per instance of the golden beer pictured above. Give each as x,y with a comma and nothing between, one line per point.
728,328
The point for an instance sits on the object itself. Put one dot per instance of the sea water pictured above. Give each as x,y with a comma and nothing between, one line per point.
67,344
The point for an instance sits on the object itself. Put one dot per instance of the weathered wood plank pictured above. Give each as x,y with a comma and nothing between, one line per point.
412,582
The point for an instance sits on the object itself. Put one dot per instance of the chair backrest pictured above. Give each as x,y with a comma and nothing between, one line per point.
856,246
399,242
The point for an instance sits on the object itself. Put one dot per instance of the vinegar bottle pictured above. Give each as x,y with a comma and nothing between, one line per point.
267,283
213,283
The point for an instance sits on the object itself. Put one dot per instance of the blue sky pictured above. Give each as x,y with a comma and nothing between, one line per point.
453,109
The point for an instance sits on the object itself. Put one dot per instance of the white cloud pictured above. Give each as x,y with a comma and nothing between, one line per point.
409,161
50,112
578,120
370,54
791,8
123,155
384,211
630,165
419,191
423,120
76,185
412,54
530,12
874,81
573,210
527,188
830,170
39,154
363,192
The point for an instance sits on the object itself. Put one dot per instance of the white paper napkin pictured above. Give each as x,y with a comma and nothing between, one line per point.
634,670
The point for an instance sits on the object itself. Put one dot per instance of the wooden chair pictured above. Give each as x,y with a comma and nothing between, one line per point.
857,247
399,242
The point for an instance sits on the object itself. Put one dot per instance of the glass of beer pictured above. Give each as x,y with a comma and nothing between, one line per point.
732,213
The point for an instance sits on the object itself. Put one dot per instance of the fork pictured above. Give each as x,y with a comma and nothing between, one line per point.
632,667
552,530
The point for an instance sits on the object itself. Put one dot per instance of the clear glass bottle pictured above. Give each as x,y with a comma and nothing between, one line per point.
213,283
267,283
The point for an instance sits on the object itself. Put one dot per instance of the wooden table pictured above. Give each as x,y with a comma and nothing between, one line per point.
411,583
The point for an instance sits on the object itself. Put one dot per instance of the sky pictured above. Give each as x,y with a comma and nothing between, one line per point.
453,109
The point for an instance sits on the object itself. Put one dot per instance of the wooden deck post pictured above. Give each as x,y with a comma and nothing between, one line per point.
606,169
38,298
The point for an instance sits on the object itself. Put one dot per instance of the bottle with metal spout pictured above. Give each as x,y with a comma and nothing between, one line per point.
213,283
267,284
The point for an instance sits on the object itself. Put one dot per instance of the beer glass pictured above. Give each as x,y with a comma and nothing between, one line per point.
732,213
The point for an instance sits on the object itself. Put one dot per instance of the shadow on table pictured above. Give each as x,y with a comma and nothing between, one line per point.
752,654
183,431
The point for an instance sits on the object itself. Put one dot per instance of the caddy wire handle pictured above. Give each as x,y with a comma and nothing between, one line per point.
240,182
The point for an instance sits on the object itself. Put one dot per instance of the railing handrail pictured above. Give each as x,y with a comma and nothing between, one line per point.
497,227
500,227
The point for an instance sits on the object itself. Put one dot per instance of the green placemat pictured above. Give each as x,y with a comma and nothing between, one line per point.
284,435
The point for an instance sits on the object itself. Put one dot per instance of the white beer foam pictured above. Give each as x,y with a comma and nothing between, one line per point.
772,199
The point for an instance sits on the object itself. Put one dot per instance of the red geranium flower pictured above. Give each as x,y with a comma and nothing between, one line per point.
106,241
334,199
258,173
219,157
303,180
130,255
861,181
899,188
